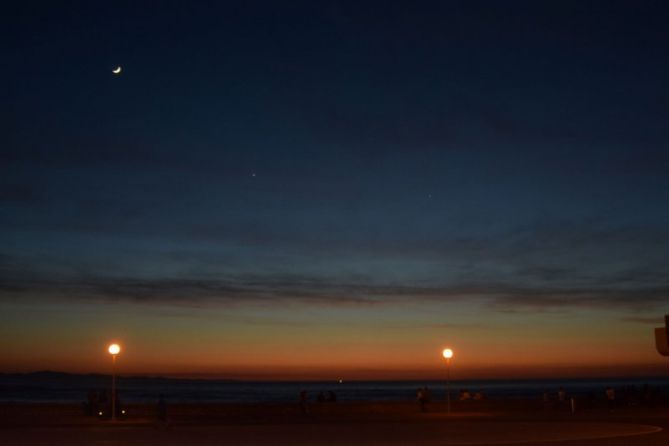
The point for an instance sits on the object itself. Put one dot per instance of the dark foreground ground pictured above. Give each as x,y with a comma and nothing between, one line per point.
510,422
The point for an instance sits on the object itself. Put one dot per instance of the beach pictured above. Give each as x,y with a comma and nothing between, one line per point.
401,423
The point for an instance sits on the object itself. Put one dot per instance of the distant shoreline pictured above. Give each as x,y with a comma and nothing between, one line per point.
207,378
45,387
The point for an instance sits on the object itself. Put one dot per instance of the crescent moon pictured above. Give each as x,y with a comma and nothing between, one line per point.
117,70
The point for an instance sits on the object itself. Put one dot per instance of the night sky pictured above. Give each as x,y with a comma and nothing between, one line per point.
321,189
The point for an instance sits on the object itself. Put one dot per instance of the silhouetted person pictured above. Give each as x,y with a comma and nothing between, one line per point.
645,395
104,405
102,397
562,397
423,397
611,398
91,404
546,399
117,404
656,396
304,402
633,395
332,397
161,409
321,397
465,395
428,395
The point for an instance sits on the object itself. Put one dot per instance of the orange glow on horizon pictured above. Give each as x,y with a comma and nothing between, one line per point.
322,344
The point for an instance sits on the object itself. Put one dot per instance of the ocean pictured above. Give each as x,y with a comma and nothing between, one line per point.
50,387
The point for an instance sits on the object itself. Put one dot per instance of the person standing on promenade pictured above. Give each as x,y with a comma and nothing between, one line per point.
562,397
161,411
420,397
611,398
547,400
304,402
423,397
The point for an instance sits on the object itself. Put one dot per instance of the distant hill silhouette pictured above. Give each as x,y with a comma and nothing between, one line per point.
43,376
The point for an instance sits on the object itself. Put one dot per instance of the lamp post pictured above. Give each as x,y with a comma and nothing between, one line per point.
448,354
114,349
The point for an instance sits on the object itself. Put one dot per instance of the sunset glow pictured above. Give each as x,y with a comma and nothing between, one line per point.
328,343
320,191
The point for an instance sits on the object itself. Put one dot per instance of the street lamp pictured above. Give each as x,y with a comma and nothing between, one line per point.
448,354
114,349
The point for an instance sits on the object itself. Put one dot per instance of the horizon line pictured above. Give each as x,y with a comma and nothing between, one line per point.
218,377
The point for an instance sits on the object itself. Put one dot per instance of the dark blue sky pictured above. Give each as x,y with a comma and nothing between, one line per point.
511,155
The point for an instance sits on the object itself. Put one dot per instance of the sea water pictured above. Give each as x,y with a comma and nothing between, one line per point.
66,388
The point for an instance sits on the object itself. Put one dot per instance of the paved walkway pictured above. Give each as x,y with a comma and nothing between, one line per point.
434,432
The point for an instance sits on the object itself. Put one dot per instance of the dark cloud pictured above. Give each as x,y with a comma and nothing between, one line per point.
548,266
21,195
632,299
532,248
657,321
278,289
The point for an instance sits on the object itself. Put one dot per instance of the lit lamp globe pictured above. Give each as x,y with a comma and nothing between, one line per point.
114,349
447,353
